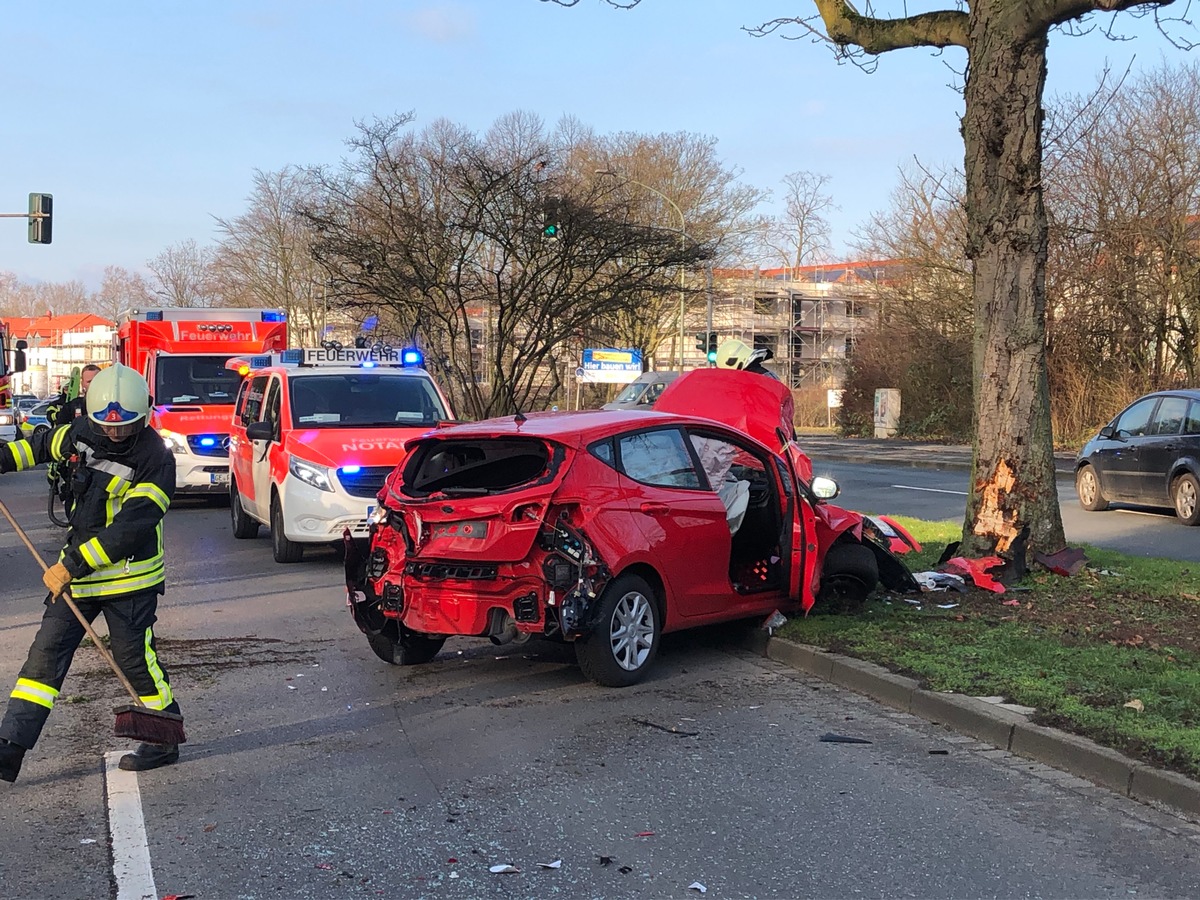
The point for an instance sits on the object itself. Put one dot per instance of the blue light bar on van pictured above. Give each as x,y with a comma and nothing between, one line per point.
274,316
412,357
259,362
154,315
292,357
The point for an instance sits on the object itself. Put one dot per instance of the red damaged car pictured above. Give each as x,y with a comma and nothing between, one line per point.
608,528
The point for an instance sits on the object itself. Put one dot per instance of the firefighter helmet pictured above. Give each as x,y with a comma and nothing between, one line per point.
118,402
736,354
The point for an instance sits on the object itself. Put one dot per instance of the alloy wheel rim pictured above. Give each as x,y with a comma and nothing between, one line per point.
1087,487
632,631
1185,498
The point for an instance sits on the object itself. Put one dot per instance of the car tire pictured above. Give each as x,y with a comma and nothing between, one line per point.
1185,494
849,575
400,646
244,527
40,429
1088,490
282,549
620,649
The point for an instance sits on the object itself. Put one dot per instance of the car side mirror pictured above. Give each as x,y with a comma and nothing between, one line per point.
260,431
1107,432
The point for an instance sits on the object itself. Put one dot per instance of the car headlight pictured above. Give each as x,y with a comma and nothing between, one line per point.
316,476
176,443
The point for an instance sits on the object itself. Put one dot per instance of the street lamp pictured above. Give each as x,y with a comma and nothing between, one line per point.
682,246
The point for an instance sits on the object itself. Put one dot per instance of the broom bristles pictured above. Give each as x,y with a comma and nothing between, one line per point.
150,726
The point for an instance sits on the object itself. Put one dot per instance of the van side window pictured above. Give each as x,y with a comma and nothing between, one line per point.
254,399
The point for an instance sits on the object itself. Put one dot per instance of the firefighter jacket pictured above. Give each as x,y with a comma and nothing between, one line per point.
67,411
121,492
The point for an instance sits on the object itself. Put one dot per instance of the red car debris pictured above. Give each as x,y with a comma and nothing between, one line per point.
608,528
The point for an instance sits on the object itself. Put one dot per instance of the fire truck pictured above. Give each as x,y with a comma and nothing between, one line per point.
182,354
12,361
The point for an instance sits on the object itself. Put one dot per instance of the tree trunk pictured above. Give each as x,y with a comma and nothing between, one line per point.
1013,481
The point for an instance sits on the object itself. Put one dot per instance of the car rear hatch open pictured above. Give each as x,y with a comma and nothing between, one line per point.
476,498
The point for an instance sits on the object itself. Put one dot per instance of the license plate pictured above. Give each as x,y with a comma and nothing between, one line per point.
218,477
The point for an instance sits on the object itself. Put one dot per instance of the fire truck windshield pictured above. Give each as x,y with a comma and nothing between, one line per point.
382,399
194,379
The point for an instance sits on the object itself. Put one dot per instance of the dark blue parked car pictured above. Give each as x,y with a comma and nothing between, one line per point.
1149,454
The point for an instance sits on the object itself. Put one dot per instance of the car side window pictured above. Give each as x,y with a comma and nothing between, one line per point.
1191,425
1135,420
254,399
604,452
1169,417
271,406
659,458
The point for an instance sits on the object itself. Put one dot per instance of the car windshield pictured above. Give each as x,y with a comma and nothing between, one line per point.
631,393
194,379
365,400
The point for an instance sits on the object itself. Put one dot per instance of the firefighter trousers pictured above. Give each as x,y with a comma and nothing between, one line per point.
130,619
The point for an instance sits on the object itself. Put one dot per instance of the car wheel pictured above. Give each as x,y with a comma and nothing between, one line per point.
400,646
1185,491
1087,487
284,551
619,651
41,429
243,526
848,576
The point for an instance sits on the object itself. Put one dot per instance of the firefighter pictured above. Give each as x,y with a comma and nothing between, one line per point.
735,354
65,411
112,562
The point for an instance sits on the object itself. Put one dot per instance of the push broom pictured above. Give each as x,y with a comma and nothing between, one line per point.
136,720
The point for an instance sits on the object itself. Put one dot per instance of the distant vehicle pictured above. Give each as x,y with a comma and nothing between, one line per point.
1149,454
35,419
643,392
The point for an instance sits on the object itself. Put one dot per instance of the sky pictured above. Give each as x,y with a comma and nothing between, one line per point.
148,118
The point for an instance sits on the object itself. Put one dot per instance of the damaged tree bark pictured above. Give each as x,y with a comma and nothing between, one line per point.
1013,466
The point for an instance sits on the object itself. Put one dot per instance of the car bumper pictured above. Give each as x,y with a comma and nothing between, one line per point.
201,474
458,606
311,516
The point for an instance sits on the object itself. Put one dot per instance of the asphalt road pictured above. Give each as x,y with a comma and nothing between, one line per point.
313,770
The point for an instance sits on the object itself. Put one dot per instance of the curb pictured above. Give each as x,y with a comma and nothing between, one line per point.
909,461
985,721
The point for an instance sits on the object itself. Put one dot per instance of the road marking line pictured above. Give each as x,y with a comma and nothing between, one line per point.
130,850
906,487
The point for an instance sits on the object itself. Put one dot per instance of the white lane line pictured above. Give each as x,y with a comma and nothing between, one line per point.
130,850
907,487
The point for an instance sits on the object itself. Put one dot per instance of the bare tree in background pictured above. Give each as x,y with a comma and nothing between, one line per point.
800,237
443,233
52,298
1014,491
119,291
264,257
182,275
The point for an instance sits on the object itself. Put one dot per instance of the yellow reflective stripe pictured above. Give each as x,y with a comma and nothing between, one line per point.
93,554
119,570
151,491
56,442
35,692
83,588
117,486
22,453
164,696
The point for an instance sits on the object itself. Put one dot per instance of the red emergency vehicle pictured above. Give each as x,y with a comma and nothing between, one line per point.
182,354
315,433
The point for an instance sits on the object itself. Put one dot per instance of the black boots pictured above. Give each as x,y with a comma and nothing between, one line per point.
10,760
149,756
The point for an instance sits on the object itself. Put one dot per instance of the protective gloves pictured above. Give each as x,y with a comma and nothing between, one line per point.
56,579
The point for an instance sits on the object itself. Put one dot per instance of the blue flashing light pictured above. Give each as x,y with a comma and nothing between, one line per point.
411,357
292,357
351,470
259,362
274,316
154,315
369,364
208,442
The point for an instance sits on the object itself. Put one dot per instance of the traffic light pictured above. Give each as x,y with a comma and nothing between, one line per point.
706,342
702,341
551,218
712,348
41,206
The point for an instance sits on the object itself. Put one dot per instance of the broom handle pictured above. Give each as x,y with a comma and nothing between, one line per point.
66,598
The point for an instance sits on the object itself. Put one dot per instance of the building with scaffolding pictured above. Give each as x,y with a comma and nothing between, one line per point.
809,317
